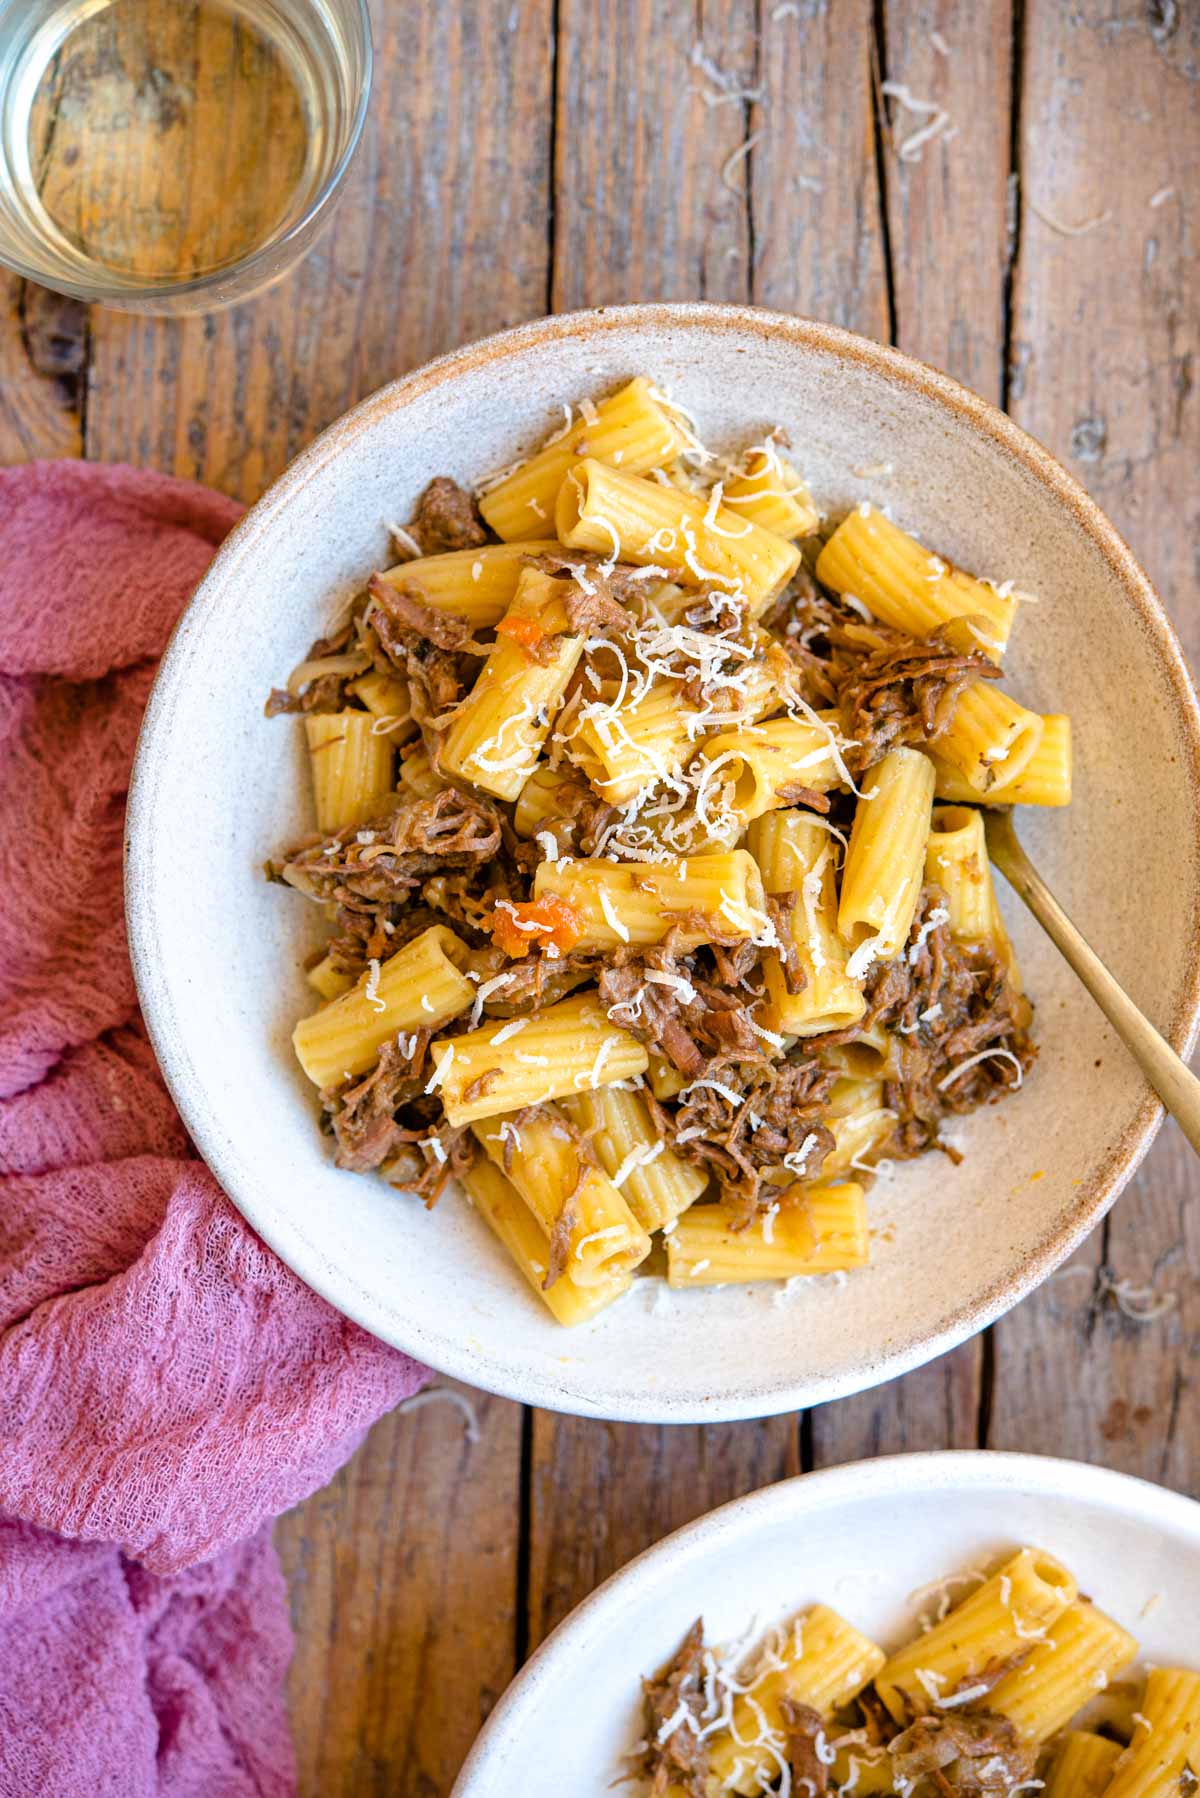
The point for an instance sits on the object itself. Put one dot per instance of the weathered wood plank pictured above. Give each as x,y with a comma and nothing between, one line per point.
817,223
947,198
1105,328
647,118
43,363
441,237
604,1491
403,1582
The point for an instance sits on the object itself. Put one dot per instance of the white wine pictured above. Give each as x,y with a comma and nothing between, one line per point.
163,141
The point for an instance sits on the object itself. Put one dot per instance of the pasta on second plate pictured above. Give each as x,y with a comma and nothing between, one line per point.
648,833
987,1700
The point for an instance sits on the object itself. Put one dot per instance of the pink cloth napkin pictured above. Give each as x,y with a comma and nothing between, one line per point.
166,1384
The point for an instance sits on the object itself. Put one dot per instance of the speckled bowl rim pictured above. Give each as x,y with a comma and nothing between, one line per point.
1097,1192
798,1501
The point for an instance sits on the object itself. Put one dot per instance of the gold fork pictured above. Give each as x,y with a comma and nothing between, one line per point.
1175,1084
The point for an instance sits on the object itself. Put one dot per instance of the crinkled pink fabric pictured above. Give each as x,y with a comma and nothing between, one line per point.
167,1386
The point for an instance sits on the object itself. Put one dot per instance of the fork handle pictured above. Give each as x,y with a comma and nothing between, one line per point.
1172,1080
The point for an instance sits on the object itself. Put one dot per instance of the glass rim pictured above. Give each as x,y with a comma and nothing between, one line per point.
150,287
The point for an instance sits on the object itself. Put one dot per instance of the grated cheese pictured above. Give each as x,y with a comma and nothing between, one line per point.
973,1060
858,964
939,915
611,918
508,1030
641,1156
371,990
405,539
445,1395
940,124
1065,230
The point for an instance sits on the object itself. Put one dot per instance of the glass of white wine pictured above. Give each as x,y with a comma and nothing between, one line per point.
174,155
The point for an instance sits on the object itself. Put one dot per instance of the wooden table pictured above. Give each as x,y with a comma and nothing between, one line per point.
524,156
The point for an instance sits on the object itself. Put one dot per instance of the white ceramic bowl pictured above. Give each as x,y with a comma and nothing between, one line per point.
217,788
863,1539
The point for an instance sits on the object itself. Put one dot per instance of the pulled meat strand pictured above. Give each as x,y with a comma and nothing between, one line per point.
567,1221
804,1733
682,1759
446,518
964,1757
975,1005
411,838
902,690
890,688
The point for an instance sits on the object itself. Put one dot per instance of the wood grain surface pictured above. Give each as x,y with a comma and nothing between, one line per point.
524,155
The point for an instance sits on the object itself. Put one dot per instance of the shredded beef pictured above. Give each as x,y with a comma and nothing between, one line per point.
411,620
777,1113
610,588
793,793
902,690
424,646
580,816
965,1757
445,518
980,1684
413,838
567,1221
804,1735
325,694
386,1117
975,1005
890,688
682,1759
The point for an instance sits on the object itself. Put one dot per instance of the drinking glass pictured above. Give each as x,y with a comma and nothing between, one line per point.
174,155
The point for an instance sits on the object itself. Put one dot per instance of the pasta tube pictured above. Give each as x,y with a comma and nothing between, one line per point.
885,863
816,1230
539,804
505,1212
1044,780
826,1663
351,767
956,859
1082,1652
417,774
1017,1605
327,980
633,429
475,584
989,737
903,585
389,702
569,1048
1082,1766
657,1184
771,493
796,855
623,515
623,749
541,1156
860,1123
498,730
759,768
1166,1740
665,1079
418,988
706,898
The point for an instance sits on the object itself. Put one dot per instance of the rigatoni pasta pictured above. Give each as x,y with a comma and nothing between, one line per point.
650,807
351,767
818,1707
